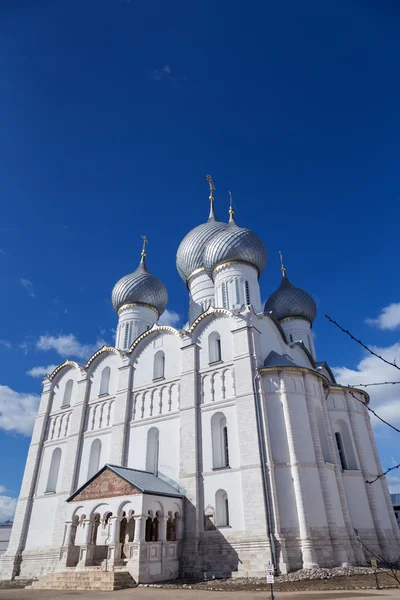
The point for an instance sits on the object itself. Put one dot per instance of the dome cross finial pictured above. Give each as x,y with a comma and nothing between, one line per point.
211,185
231,211
283,268
145,242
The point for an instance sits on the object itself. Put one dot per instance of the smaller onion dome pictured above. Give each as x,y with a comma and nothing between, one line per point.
234,243
290,301
140,287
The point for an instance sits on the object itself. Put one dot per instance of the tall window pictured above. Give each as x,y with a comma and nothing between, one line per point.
105,381
94,458
247,290
159,365
340,448
67,393
222,508
224,295
214,347
153,441
126,340
220,444
54,469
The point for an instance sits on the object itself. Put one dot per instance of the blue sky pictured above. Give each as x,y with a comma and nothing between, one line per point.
113,111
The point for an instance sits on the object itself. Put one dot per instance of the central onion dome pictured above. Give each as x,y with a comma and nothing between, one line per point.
291,301
189,256
140,287
237,244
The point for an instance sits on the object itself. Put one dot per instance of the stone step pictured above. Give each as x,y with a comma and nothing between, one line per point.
95,580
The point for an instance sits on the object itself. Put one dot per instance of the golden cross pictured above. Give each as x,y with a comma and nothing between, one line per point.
145,242
230,205
283,268
211,185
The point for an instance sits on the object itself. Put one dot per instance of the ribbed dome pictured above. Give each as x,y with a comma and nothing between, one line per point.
140,287
290,301
235,243
189,256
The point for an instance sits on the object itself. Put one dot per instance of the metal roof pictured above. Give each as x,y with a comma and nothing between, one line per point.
291,301
276,360
145,482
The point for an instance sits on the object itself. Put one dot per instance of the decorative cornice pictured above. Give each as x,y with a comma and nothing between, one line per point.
233,262
127,306
66,363
154,329
339,387
292,318
195,272
305,370
211,310
109,349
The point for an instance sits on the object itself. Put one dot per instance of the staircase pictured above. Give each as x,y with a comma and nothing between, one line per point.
91,578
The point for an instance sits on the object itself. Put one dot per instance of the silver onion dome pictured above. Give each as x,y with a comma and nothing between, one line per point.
140,287
234,243
290,301
189,256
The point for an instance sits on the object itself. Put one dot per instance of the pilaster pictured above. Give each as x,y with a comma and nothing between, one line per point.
121,414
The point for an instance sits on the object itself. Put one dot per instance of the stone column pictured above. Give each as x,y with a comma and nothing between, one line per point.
140,528
339,551
121,414
178,526
355,553
370,490
67,538
307,546
11,560
162,529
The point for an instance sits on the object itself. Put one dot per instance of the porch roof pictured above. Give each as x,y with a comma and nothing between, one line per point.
144,481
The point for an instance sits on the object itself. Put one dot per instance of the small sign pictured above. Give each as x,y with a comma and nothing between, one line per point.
270,578
374,564
269,568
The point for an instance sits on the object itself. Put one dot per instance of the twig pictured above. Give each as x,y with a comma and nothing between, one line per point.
374,413
393,364
369,384
384,473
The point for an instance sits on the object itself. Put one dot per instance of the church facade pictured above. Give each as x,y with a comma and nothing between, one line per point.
210,450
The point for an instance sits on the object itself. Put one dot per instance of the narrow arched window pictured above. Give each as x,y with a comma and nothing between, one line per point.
323,438
345,445
54,469
222,508
247,291
159,365
94,458
105,381
290,337
67,393
220,442
340,449
214,347
153,440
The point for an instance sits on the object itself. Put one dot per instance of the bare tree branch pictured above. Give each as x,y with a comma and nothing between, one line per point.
384,473
393,364
369,384
373,412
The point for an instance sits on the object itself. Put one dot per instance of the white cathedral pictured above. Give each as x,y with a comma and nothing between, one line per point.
208,451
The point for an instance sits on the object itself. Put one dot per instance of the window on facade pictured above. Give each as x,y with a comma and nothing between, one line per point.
247,291
222,509
94,458
105,381
224,295
290,337
153,443
126,340
340,449
159,365
323,438
67,393
214,347
345,445
220,442
54,469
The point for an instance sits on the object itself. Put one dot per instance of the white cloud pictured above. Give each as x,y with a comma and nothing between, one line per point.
40,371
389,317
7,508
17,410
5,343
393,483
169,317
3,489
68,346
28,286
385,399
159,74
